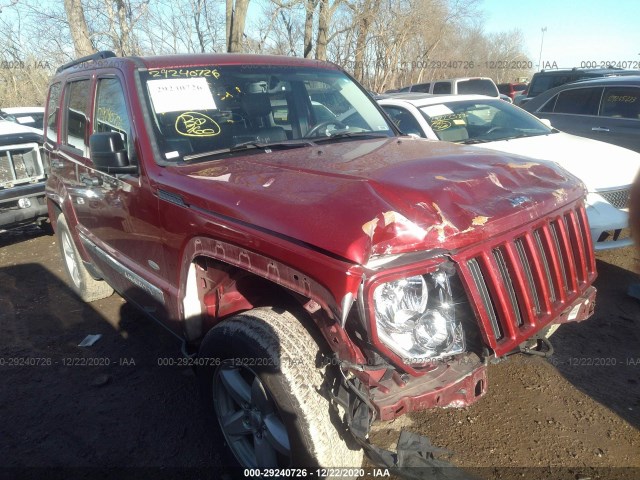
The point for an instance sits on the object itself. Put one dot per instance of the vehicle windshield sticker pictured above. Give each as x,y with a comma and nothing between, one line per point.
172,73
195,124
170,155
25,119
180,94
621,98
436,110
442,122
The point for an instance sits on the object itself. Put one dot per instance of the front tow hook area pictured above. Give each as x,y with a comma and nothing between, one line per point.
538,346
415,457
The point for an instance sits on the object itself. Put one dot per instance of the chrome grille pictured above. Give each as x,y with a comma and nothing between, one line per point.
617,198
525,281
20,164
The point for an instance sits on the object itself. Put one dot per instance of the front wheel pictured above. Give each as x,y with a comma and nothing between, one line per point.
266,393
81,281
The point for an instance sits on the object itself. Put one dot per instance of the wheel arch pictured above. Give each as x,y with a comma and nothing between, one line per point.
219,280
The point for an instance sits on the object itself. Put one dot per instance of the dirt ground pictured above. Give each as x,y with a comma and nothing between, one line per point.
111,409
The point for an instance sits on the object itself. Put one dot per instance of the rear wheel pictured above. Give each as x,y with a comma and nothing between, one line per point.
267,396
81,281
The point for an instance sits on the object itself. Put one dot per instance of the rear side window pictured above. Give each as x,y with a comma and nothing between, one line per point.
404,120
442,87
421,87
477,87
549,106
621,102
52,112
579,101
542,83
77,116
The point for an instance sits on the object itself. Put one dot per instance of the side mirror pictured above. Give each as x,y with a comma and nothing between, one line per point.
109,154
546,121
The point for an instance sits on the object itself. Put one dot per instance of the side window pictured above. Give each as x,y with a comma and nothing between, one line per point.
549,106
52,112
77,115
404,120
421,87
621,102
579,101
111,111
442,87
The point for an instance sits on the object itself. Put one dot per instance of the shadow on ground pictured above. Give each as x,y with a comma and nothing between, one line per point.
110,405
601,356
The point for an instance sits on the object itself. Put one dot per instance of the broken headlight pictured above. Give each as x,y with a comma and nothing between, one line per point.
416,317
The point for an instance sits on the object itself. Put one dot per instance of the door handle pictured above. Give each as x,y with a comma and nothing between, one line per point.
90,181
599,129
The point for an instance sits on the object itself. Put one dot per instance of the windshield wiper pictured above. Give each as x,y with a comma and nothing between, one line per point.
251,144
524,135
344,134
471,141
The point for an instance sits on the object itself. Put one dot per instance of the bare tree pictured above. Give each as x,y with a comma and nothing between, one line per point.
235,24
78,27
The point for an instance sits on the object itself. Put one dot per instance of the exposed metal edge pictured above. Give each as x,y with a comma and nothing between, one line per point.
347,302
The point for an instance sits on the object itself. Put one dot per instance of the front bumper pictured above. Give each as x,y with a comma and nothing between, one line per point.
458,383
609,225
11,215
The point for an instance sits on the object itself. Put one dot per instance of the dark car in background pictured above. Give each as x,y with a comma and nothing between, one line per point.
606,109
547,79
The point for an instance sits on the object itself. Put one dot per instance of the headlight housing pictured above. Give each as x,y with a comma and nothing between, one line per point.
416,317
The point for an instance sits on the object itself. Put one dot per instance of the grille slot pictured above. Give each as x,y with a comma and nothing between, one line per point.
617,198
525,281
531,285
498,254
20,164
6,169
481,284
544,256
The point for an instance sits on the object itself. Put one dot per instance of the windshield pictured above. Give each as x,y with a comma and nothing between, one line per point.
203,110
476,121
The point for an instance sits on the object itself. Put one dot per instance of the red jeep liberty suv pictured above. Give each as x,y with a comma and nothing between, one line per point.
323,271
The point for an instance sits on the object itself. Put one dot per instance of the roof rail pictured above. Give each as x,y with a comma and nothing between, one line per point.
95,56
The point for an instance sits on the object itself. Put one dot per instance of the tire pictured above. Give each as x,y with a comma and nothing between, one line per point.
80,280
265,391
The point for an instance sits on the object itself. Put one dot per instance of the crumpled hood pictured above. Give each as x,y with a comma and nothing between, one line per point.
356,199
599,165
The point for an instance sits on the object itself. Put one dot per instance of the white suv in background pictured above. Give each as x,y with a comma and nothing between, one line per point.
22,177
456,86
26,116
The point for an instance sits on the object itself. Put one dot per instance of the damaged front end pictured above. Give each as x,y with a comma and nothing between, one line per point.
428,324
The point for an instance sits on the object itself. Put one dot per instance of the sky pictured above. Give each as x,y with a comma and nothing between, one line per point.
577,32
